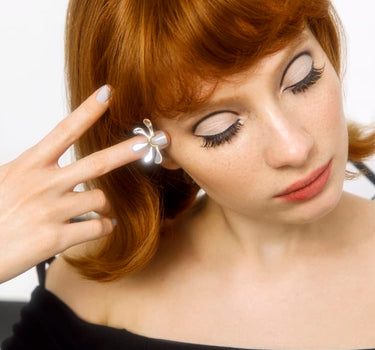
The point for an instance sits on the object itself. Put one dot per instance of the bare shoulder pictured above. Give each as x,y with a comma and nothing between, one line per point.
85,297
93,301
362,211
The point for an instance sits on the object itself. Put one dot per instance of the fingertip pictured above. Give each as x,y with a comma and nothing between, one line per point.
111,89
104,94
162,139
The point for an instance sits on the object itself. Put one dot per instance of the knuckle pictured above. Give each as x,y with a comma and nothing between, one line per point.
64,132
98,226
87,109
100,197
45,212
96,164
43,208
52,179
53,239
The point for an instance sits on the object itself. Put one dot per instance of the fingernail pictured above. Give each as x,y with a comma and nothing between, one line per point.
114,221
104,94
93,215
160,139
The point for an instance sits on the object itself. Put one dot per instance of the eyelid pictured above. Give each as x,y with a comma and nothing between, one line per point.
305,52
210,115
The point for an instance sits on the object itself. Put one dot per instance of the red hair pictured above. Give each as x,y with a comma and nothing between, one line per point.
156,53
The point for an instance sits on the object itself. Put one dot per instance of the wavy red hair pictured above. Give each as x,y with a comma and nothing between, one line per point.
156,54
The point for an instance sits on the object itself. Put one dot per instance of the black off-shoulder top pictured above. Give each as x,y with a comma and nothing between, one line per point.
48,323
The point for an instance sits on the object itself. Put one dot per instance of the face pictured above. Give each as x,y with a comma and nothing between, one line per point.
263,130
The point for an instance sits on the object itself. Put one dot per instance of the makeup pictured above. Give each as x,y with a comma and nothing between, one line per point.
313,75
309,187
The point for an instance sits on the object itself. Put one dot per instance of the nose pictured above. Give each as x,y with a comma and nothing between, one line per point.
287,143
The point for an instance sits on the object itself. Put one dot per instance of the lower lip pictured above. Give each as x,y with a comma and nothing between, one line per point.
311,190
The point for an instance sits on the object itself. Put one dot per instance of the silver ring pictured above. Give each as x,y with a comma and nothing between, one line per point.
154,153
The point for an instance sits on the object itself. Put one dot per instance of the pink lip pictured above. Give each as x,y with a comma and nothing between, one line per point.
304,183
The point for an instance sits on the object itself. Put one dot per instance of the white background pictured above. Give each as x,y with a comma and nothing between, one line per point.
32,89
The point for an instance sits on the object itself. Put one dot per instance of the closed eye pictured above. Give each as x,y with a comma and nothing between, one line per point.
300,73
221,126
225,136
218,127
314,75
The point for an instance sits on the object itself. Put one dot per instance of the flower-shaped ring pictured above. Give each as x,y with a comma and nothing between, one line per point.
154,152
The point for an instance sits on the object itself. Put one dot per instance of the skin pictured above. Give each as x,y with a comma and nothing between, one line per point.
38,197
241,260
284,137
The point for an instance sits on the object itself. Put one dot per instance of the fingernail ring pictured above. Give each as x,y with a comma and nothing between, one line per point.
153,152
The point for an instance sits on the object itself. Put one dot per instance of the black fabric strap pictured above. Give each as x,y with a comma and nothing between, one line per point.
365,170
41,271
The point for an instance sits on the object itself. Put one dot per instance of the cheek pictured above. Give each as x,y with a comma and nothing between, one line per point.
226,171
321,113
329,116
330,106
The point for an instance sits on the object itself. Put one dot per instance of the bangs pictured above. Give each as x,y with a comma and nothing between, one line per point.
183,44
160,56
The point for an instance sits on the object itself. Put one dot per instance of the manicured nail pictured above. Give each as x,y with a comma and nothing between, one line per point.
159,139
114,221
93,215
104,94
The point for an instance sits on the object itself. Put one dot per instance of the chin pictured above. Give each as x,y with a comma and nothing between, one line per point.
322,204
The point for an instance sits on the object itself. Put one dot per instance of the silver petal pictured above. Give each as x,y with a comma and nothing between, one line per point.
158,157
138,131
138,146
148,123
149,155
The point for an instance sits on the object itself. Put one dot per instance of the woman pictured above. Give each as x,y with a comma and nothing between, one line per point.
274,254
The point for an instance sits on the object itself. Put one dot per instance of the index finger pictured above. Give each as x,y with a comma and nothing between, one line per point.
108,159
72,127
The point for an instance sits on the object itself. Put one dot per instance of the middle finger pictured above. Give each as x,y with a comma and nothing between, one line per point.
104,161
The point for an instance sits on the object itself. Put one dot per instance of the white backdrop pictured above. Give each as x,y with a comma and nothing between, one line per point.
32,89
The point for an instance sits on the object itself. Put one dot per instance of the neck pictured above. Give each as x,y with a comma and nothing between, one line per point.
221,236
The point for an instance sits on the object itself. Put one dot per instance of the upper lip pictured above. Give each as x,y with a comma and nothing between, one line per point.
304,182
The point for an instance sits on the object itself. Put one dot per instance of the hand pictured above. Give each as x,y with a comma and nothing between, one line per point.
37,199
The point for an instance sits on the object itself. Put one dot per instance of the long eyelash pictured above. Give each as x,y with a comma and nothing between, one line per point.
314,75
225,136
